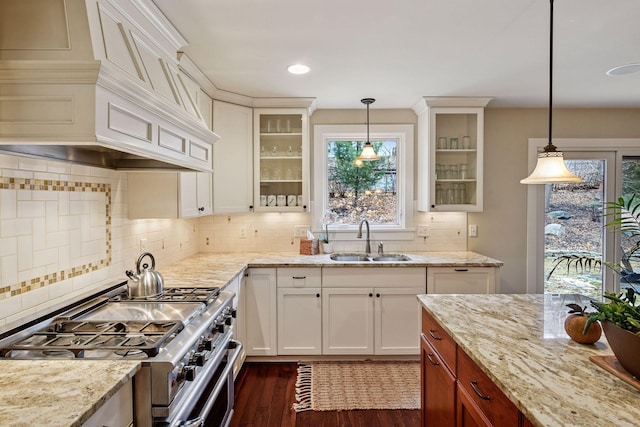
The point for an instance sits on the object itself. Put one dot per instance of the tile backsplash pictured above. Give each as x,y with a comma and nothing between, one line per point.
65,233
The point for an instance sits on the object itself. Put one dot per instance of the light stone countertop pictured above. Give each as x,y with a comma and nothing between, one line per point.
217,269
60,393
66,393
520,343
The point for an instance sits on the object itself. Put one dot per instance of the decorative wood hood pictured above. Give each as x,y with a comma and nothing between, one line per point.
100,82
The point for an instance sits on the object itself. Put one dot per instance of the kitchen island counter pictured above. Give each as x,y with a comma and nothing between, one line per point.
217,269
58,392
520,343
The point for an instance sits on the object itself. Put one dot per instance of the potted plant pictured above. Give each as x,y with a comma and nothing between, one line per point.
620,319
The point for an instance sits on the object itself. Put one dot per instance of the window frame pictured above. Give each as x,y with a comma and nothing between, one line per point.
404,134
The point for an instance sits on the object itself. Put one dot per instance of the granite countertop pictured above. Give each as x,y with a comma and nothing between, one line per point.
520,343
217,269
58,392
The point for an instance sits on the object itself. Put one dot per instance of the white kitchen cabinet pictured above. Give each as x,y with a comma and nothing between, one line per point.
462,280
281,159
232,158
450,154
299,311
372,310
117,411
169,194
259,312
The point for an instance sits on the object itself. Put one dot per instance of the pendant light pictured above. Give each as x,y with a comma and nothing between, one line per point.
368,153
550,168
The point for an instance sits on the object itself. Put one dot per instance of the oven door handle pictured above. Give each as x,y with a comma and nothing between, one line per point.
222,382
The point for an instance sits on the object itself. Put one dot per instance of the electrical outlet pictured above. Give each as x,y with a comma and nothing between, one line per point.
143,245
301,230
473,230
422,231
243,232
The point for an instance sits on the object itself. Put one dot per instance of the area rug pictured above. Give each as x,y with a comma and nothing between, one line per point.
331,386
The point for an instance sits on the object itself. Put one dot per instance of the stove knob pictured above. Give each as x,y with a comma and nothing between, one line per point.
234,313
187,373
228,320
220,328
197,359
205,344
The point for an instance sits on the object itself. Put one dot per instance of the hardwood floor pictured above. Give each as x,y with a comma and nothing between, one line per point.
266,391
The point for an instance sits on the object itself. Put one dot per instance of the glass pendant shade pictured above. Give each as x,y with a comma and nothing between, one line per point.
550,169
368,153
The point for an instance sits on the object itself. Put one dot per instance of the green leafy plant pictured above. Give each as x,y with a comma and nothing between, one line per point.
622,310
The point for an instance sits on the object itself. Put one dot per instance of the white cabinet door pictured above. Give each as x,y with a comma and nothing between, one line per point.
299,321
397,320
462,280
259,312
232,158
347,321
169,194
195,194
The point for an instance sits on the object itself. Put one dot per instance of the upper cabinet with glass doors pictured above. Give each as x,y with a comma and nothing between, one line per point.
281,159
450,153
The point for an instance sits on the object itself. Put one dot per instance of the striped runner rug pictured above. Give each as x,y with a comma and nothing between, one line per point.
331,386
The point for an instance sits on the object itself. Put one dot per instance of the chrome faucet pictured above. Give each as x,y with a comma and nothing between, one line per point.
367,247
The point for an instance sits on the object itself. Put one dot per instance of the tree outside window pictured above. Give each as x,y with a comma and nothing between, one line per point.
358,190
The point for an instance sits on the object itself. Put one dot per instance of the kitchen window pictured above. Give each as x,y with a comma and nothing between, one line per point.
379,191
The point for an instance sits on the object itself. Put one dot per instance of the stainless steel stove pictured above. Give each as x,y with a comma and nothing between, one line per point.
183,338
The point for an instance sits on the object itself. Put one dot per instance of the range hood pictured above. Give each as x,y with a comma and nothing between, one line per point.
100,83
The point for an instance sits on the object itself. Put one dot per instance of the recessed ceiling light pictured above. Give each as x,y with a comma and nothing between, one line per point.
624,69
298,69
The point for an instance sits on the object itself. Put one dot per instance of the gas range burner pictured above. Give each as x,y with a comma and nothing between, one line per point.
77,339
180,294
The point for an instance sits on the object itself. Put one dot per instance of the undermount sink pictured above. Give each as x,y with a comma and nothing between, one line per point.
349,257
390,257
363,257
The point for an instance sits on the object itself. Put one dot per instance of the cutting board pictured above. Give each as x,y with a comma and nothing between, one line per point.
611,365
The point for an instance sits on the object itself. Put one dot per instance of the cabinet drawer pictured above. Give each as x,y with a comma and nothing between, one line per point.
494,404
439,340
367,277
299,277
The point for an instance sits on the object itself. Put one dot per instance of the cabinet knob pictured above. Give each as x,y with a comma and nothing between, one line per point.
201,208
304,207
433,206
250,207
371,295
377,295
317,295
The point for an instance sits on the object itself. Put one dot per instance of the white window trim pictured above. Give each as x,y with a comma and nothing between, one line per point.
535,196
404,134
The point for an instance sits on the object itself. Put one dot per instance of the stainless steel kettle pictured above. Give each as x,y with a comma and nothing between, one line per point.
145,281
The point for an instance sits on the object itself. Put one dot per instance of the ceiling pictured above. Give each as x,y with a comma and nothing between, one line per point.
398,51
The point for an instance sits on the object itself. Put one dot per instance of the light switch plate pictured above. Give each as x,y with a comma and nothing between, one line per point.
473,230
301,230
422,231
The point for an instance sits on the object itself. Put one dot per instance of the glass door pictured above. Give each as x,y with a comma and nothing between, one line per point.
576,241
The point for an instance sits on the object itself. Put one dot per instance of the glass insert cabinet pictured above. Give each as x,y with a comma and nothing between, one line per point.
451,144
281,159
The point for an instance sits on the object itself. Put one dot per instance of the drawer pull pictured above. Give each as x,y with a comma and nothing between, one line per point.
474,386
461,269
317,295
434,336
433,362
299,277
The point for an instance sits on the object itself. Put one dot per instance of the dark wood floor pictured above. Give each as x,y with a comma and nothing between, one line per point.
266,391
